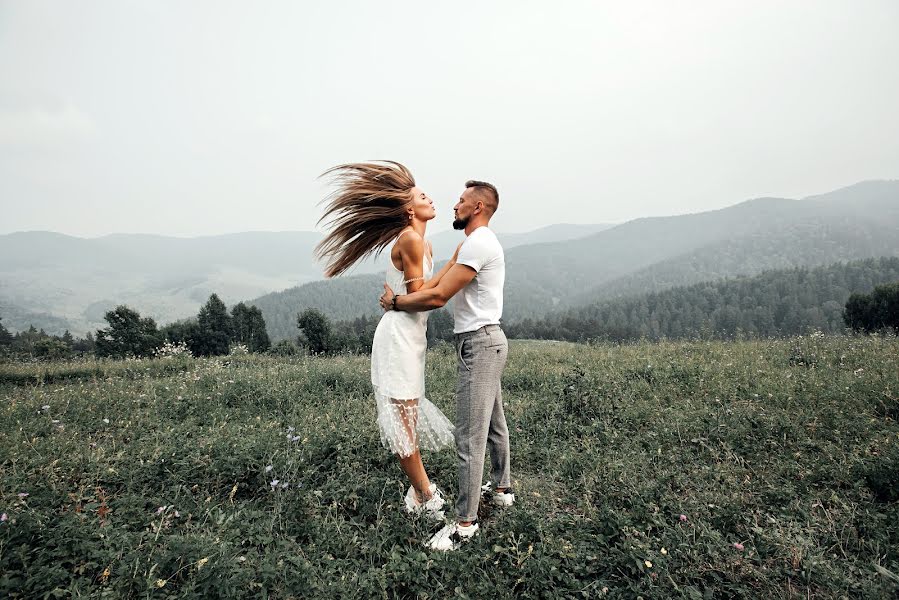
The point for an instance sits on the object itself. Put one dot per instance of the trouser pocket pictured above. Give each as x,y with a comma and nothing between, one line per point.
461,353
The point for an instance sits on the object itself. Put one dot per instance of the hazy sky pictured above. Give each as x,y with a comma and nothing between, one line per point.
189,118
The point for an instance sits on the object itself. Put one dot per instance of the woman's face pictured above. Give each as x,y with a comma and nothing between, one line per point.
422,207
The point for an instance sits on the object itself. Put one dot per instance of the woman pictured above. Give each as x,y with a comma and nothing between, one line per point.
374,205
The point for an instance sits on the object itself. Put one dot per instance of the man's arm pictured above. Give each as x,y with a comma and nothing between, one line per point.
455,279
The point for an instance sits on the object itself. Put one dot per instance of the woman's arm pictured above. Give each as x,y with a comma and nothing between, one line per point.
433,281
411,248
412,251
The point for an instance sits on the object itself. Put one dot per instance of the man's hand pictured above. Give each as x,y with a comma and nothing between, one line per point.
386,299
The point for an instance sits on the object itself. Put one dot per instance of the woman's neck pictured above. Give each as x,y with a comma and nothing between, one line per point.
419,227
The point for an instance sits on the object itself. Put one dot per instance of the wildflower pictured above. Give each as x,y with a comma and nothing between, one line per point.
738,546
160,583
177,514
274,483
3,518
45,407
284,485
268,468
55,421
106,421
683,518
664,551
648,564
160,510
289,429
202,562
23,494
295,438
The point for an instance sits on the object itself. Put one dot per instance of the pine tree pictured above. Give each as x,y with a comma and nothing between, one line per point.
214,329
5,335
249,328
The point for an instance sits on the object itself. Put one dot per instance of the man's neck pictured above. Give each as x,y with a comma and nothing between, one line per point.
472,225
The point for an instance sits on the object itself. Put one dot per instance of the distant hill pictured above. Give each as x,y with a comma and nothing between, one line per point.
58,281
774,303
76,280
860,221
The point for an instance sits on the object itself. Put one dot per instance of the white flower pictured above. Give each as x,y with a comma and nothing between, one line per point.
106,421
268,468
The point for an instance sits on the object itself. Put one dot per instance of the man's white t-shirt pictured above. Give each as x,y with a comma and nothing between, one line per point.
481,301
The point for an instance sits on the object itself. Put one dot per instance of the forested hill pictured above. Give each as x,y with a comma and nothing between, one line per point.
774,303
650,255
860,221
340,299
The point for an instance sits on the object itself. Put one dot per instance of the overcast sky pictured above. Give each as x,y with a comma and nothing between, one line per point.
193,118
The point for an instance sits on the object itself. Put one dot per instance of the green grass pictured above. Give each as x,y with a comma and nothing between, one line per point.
790,448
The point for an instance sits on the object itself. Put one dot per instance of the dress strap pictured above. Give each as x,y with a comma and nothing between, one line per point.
402,233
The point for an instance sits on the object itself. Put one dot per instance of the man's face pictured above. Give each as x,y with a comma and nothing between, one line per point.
467,206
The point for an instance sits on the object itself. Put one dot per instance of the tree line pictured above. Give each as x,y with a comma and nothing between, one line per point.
860,295
213,332
319,335
775,303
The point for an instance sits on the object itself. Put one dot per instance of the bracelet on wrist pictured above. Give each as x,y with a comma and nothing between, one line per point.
393,302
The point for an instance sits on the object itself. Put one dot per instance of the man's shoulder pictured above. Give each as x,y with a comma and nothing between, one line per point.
484,236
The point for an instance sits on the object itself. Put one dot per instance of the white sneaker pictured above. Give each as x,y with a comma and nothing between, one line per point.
433,507
451,536
501,499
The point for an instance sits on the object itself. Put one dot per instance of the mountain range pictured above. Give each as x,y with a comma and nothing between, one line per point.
56,281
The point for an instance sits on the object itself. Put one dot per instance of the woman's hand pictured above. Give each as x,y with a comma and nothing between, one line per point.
386,299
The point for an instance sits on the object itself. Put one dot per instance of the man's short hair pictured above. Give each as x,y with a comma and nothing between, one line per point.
487,191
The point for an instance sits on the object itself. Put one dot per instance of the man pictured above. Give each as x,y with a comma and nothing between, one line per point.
476,281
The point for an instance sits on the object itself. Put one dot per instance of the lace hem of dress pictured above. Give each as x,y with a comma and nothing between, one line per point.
408,425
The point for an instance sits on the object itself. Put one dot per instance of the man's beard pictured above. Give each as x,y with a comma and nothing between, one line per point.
460,224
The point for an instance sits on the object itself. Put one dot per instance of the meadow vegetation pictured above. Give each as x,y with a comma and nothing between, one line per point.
693,469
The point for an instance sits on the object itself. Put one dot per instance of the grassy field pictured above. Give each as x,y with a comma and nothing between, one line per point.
673,470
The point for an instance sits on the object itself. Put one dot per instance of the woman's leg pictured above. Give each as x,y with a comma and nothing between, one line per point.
412,465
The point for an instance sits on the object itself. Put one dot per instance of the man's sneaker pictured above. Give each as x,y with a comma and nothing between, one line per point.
452,535
502,499
432,507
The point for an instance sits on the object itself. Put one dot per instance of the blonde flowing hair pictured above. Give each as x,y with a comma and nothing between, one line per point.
365,213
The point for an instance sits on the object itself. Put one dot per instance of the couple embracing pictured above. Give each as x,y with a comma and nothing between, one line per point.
376,206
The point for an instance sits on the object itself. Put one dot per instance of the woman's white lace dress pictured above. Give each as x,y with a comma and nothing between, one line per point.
406,418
